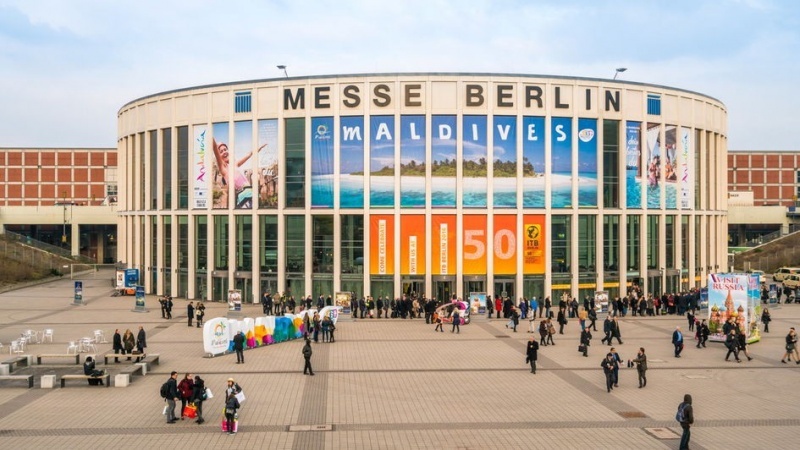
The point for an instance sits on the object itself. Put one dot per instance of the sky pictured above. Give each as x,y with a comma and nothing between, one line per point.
68,66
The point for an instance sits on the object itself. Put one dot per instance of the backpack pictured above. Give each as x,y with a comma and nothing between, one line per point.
165,390
680,416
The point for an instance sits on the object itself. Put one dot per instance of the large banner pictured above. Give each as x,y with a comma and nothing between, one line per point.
200,176
381,250
412,161
443,244
322,162
587,163
671,166
222,155
474,163
473,251
381,165
633,164
268,163
505,244
504,172
534,244
733,297
653,166
412,245
443,161
685,165
533,143
243,175
351,162
561,154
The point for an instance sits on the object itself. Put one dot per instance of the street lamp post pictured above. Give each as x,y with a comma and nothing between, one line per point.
283,68
619,71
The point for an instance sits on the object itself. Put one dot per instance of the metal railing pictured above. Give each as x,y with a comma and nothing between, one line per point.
45,247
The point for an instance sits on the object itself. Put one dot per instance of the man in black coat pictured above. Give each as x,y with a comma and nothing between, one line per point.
380,306
117,346
172,396
609,364
607,331
686,423
190,312
238,346
532,353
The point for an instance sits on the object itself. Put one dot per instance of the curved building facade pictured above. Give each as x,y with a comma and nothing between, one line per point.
436,184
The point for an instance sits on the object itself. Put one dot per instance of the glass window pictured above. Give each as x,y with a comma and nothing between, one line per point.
183,256
296,245
221,243
183,167
352,244
669,241
167,255
382,286
201,243
561,231
140,186
322,244
166,173
697,264
154,253
533,286
321,285
685,242
269,245
653,246
295,187
611,244
244,243
611,163
587,244
634,242
153,134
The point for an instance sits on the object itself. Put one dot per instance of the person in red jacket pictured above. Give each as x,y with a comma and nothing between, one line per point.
498,305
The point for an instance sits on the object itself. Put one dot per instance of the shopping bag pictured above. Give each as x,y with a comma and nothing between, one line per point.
190,411
164,412
240,396
225,425
208,394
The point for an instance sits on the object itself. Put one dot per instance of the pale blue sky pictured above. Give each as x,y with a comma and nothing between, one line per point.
66,67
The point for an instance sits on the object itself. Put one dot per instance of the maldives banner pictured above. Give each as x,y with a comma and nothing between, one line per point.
587,163
412,245
473,251
534,244
533,141
200,175
685,164
243,178
653,166
412,161
504,172
381,252
671,167
733,297
443,161
443,244
267,163
220,166
633,164
561,155
474,162
351,162
505,244
381,163
322,162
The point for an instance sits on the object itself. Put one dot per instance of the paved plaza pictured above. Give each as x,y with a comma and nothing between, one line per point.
395,384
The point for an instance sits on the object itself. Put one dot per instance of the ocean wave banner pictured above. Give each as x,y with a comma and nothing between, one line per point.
587,163
322,162
443,161
412,161
534,136
351,162
561,164
504,155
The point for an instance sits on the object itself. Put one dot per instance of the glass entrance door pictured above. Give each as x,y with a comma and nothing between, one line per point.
245,285
413,287
475,285
505,288
443,290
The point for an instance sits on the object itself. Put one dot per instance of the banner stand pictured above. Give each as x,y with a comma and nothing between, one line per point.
140,306
77,299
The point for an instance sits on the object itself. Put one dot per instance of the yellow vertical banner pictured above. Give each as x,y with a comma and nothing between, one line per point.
473,250
443,244
381,250
412,244
534,244
505,244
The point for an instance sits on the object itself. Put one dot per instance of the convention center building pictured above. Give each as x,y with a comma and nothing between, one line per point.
439,184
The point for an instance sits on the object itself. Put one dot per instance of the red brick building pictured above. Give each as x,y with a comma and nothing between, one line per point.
771,176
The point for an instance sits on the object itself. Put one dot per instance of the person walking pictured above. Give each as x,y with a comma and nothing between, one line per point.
690,318
741,342
437,319
117,346
686,418
307,356
586,339
171,395
583,314
677,341
615,331
704,332
489,307
532,353
766,318
733,346
515,315
238,346
641,367
607,330
608,364
791,347
543,332
190,312
617,360
141,341
198,397
551,330
231,405
169,303
562,320
456,320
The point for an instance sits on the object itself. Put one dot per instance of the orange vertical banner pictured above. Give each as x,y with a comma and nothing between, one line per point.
505,244
473,248
443,245
412,245
534,244
381,249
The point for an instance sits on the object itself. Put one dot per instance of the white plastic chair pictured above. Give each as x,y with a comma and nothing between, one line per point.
17,347
47,335
73,347
87,345
99,337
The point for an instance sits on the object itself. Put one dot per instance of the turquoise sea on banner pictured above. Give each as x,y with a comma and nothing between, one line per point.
443,192
474,192
504,192
351,191
322,191
634,194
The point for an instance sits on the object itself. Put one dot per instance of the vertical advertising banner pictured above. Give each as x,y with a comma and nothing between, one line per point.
443,244
533,141
534,244
653,165
268,163
729,299
351,162
322,162
561,154
587,163
473,249
633,164
243,171
504,172
381,170
219,168
671,166
381,249
474,164
412,161
443,161
505,244
412,245
200,176
685,164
